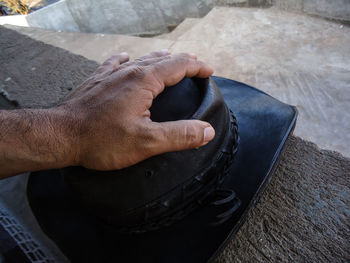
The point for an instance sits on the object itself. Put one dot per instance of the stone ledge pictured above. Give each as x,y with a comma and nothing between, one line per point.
303,216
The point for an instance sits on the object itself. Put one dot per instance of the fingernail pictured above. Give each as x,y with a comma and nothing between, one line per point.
209,134
212,69
193,55
124,54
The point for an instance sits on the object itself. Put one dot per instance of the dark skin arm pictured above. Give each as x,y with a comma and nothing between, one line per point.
104,124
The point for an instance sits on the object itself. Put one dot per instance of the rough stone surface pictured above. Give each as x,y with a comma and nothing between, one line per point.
298,59
97,47
303,216
35,74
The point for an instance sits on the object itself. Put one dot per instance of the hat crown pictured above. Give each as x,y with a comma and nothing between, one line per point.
178,102
164,188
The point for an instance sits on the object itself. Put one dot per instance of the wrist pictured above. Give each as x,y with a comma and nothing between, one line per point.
66,127
36,139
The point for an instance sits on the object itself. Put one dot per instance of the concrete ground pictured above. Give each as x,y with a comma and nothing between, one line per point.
303,216
298,59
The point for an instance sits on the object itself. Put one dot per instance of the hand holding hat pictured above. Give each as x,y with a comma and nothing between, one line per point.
112,109
105,123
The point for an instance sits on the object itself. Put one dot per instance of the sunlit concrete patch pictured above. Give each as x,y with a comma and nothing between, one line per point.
16,20
296,58
35,74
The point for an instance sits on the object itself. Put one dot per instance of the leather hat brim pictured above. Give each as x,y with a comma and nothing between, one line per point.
264,126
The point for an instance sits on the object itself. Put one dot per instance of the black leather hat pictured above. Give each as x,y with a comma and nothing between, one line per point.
175,207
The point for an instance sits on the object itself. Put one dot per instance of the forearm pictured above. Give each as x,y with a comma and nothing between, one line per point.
37,139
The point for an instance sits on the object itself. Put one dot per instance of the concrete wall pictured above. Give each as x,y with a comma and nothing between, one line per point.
333,9
56,17
149,17
135,17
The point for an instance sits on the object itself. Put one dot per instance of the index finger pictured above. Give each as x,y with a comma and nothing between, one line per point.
171,71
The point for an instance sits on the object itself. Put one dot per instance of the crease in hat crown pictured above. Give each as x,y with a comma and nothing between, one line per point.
163,189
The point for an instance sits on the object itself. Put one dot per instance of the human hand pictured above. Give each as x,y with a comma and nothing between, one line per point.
112,127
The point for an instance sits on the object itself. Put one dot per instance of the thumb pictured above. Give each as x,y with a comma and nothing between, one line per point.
182,135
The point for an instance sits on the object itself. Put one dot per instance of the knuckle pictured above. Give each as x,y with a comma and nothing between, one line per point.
187,56
101,69
138,60
148,138
165,58
148,135
142,131
106,63
182,60
154,70
184,55
126,65
111,60
155,53
135,72
144,62
191,134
